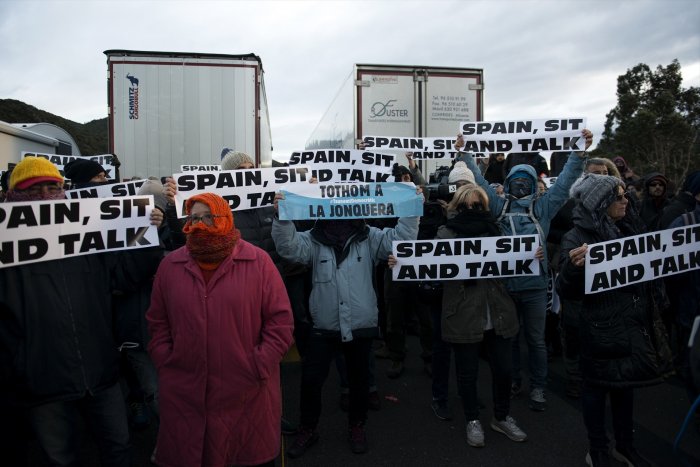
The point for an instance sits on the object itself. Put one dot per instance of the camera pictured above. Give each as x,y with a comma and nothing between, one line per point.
438,187
443,191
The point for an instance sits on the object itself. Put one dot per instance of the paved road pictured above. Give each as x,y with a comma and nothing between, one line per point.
405,432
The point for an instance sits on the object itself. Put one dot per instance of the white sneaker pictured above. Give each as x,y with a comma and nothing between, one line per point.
509,428
475,434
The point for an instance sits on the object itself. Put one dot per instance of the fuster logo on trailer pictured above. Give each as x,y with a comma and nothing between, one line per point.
381,109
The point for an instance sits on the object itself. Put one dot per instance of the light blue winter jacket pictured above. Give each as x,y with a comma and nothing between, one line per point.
545,207
342,297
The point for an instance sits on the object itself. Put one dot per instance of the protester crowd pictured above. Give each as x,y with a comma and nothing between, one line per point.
189,334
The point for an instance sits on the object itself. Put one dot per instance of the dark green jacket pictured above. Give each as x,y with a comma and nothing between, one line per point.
465,303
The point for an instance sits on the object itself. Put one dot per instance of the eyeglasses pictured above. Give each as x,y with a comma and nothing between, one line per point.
620,198
208,219
38,188
656,184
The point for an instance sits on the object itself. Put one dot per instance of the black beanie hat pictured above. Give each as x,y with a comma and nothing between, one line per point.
399,170
82,170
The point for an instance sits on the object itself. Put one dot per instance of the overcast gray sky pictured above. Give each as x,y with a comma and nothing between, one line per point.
541,59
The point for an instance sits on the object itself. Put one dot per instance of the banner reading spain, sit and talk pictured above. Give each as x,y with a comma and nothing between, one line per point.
36,231
350,201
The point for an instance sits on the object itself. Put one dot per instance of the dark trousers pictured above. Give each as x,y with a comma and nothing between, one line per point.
400,300
14,433
343,373
314,371
56,427
571,342
621,405
441,358
498,351
298,287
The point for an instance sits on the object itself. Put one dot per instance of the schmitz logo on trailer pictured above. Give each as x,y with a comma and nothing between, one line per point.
133,97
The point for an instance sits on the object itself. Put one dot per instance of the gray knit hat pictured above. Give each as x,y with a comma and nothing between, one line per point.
595,191
461,173
155,188
233,160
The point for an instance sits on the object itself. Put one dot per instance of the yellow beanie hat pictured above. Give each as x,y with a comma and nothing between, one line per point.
33,170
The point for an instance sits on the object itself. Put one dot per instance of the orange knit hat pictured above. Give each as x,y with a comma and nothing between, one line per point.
223,220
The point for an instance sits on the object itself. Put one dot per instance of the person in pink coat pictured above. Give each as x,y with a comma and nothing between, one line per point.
220,322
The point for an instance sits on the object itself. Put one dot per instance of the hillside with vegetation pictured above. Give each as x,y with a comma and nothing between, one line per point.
91,136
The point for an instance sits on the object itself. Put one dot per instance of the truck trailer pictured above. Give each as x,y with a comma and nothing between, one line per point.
401,100
168,109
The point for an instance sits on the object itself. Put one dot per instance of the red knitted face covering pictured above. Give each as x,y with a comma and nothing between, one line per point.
19,196
209,245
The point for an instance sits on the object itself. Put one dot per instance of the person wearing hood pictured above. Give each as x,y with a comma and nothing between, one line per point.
524,212
626,173
84,173
654,200
623,344
220,323
684,201
255,226
343,307
495,171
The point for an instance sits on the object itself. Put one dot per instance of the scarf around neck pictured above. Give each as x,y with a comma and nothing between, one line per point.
473,223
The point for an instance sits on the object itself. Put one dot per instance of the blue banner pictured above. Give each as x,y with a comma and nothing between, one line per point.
350,201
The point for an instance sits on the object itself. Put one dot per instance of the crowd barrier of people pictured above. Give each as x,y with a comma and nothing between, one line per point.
189,334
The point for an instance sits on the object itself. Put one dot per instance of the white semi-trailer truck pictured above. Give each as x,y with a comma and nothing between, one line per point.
398,100
168,109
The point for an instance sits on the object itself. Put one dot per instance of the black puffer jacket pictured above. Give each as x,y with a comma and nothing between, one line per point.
622,338
56,338
256,228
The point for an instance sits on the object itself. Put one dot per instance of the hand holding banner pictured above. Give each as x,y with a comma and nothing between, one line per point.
350,201
242,189
38,231
640,258
466,258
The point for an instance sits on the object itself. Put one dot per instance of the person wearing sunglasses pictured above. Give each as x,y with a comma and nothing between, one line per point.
524,212
479,313
620,349
654,200
220,323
